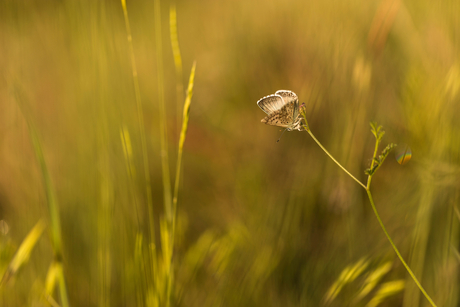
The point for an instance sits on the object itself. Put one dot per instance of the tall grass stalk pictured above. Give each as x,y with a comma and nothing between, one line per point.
185,118
140,117
53,208
162,110
105,203
374,167
167,225
104,224
177,60
130,170
148,187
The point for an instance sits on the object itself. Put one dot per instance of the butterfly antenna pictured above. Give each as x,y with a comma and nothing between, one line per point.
281,135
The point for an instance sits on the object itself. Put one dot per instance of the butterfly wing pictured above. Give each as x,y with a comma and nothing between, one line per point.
291,99
291,110
282,117
282,110
271,103
288,96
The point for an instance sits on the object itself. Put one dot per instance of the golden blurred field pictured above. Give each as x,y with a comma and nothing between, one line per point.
258,223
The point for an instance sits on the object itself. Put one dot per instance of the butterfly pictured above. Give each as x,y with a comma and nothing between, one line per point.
282,110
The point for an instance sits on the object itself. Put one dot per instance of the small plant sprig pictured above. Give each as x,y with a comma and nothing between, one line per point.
377,161
378,132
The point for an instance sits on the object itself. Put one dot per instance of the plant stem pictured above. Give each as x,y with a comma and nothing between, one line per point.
396,249
167,244
140,118
162,114
330,156
369,194
177,61
367,188
369,179
53,207
183,134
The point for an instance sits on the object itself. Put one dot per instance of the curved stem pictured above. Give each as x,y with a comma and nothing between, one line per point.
367,188
330,156
377,142
397,251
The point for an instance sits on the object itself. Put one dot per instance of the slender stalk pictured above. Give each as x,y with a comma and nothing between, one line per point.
54,213
369,179
162,110
397,251
177,61
178,169
166,232
62,287
140,117
52,202
330,156
181,143
369,194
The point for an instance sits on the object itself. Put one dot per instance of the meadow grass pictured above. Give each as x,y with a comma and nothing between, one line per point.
177,60
161,281
56,271
377,161
255,223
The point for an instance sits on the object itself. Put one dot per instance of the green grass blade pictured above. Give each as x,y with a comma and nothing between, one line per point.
162,110
140,116
52,276
52,206
386,290
373,279
50,194
168,245
177,59
185,118
348,275
24,251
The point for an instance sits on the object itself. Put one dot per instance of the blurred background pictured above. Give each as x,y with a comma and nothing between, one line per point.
259,223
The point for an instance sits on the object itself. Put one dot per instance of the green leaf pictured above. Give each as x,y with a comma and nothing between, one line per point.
349,274
386,290
373,279
24,251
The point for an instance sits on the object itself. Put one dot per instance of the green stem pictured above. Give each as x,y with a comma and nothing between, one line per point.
367,188
396,249
164,153
369,179
140,117
62,287
330,156
53,208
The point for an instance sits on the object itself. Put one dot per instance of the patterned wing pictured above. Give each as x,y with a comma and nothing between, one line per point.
271,103
288,96
282,117
282,110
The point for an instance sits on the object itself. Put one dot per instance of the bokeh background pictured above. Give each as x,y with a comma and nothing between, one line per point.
259,223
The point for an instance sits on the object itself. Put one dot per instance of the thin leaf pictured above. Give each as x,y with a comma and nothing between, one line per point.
23,254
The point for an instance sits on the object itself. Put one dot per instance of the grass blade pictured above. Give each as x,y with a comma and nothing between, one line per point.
140,116
185,118
177,59
162,110
24,251
53,207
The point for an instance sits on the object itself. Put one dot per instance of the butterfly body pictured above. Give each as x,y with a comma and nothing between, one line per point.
282,109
